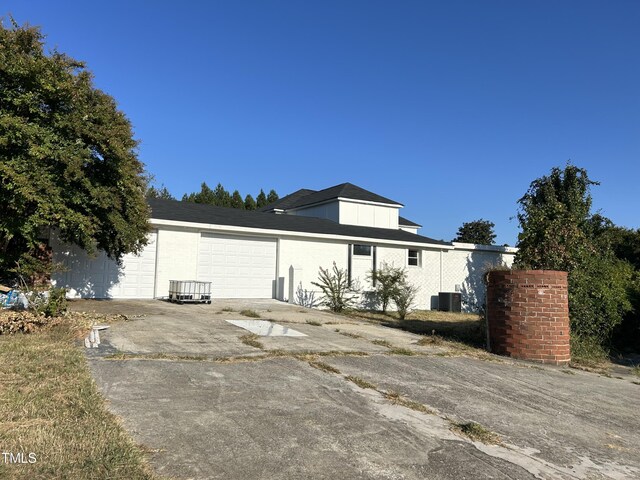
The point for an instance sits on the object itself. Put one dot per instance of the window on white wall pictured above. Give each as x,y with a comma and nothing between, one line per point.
413,258
364,250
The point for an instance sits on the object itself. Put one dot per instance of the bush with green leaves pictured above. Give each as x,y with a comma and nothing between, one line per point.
387,280
68,158
404,298
338,293
559,232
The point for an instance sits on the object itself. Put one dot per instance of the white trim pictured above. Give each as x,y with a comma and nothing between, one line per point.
345,199
488,248
205,227
419,265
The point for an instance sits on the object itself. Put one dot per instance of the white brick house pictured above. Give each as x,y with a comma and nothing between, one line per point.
271,253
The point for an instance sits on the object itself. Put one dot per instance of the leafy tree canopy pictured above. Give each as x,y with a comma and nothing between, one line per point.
559,232
67,157
477,231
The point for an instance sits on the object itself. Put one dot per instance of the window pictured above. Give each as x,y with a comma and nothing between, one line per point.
362,250
413,258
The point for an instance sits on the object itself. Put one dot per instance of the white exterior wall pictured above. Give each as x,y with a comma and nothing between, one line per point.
367,215
329,211
177,257
464,267
98,276
409,229
299,261
426,276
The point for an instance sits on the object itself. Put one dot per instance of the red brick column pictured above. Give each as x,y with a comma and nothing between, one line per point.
528,315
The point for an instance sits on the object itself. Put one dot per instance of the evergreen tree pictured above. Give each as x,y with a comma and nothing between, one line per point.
222,196
261,200
205,195
249,203
162,192
272,197
236,200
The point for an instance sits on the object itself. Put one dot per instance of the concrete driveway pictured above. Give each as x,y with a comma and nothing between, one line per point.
210,406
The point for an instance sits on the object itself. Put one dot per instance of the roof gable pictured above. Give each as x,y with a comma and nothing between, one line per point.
344,190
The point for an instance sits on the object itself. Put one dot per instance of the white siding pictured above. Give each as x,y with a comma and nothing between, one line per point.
465,268
409,229
366,215
100,277
300,261
177,257
238,266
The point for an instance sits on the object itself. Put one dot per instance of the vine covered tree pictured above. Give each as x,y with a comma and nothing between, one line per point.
559,233
68,159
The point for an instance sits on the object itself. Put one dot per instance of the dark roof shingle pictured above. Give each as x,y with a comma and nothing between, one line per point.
406,222
209,214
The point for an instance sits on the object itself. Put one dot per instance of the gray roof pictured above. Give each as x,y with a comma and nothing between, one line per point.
407,223
209,214
305,197
288,201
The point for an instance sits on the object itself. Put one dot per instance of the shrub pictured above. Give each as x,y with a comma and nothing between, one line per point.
387,279
305,298
57,303
404,298
337,291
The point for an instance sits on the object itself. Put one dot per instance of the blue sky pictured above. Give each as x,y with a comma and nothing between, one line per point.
451,108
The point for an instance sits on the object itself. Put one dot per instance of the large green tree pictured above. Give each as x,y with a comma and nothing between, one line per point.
559,232
477,231
67,157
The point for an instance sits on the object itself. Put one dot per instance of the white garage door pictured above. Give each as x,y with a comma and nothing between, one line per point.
238,267
100,277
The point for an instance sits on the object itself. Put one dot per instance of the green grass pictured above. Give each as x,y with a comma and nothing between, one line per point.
587,352
360,382
476,432
382,343
50,406
250,313
227,309
251,339
315,323
636,370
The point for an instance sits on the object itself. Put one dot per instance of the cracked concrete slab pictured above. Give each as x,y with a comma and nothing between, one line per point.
580,424
280,419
